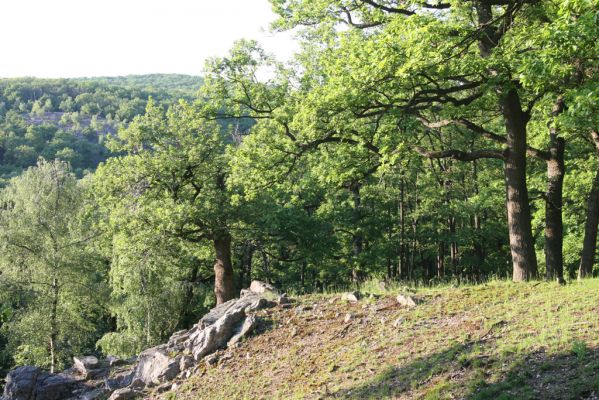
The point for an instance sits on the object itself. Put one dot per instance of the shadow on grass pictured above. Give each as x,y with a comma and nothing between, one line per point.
571,375
396,380
463,371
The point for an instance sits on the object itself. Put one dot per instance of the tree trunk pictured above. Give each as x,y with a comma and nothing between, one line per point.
554,233
223,269
358,240
589,245
303,268
441,259
524,262
53,326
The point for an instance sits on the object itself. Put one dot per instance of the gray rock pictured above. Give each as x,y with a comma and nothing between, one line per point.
92,395
246,328
262,287
85,363
211,360
124,394
351,296
156,366
283,299
217,335
217,312
406,300
29,382
186,363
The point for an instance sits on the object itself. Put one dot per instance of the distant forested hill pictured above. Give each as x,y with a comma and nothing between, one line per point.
68,119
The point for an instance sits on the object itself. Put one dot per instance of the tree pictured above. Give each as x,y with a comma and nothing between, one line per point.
176,163
49,263
426,66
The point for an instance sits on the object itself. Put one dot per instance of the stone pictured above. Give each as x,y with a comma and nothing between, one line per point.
283,299
262,287
398,322
217,335
251,302
96,394
351,296
211,360
348,317
406,300
186,362
84,364
178,338
30,382
246,328
124,394
155,366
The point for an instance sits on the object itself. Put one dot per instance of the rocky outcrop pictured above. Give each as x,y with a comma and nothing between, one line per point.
90,378
25,383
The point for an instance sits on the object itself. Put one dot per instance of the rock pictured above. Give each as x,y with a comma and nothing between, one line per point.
251,302
351,296
165,387
178,338
283,299
29,382
406,300
186,362
155,366
262,287
85,363
348,317
248,326
211,360
124,394
215,336
121,378
93,395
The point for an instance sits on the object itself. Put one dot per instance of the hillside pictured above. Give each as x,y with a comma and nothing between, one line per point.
495,341
68,119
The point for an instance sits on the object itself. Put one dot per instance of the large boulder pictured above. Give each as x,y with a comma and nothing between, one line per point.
25,383
155,367
215,336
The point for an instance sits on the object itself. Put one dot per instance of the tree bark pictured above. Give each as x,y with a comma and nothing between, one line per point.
223,269
524,262
554,235
358,240
53,325
589,245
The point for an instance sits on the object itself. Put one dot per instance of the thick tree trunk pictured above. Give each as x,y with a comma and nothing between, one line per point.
589,245
223,269
554,235
524,262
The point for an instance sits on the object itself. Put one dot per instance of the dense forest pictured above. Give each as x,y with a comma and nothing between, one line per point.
68,119
424,142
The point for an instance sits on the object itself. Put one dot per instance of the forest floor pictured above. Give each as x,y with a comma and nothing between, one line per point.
494,341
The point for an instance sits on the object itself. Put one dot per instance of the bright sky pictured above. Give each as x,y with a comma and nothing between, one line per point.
74,38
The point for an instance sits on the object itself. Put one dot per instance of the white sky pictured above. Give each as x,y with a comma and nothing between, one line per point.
74,38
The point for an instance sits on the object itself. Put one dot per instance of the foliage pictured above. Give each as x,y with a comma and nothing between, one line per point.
52,275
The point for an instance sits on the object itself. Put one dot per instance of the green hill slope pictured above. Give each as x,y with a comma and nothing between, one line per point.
494,341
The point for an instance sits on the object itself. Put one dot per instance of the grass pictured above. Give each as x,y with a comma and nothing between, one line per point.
498,340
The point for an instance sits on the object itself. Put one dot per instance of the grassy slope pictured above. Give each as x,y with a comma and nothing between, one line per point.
495,341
